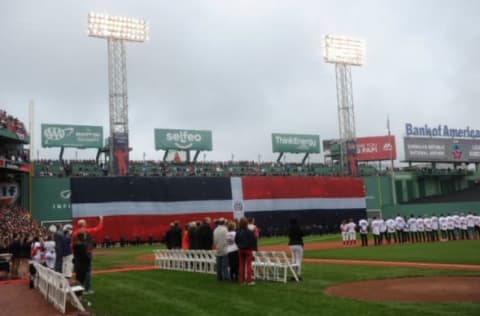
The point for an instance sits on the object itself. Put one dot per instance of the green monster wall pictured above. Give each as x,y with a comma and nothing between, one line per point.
51,199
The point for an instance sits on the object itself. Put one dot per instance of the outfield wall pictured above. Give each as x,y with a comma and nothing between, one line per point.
51,199
140,206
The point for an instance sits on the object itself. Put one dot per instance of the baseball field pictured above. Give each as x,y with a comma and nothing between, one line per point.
435,279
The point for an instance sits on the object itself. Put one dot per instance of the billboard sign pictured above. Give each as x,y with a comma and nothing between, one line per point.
75,136
424,149
374,148
181,139
440,131
295,143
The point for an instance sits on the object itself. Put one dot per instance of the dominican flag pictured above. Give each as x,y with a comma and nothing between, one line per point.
143,206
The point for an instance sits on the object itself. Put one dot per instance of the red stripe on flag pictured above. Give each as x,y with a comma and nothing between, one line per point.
131,226
301,187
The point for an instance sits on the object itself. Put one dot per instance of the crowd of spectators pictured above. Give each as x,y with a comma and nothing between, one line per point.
12,124
206,169
17,156
17,232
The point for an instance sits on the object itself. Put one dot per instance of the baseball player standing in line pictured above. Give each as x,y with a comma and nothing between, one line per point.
477,226
343,230
421,229
463,227
406,231
434,227
351,233
399,226
443,227
412,226
451,227
427,222
458,224
471,225
391,230
383,230
363,224
376,231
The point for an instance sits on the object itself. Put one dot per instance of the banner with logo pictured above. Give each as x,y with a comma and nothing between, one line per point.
423,149
76,136
295,143
9,192
376,148
372,148
51,199
181,139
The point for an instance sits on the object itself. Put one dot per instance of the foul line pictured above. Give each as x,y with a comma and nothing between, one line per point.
406,264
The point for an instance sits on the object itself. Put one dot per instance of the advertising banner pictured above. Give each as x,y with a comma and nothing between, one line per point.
181,139
376,148
424,149
75,136
372,148
295,143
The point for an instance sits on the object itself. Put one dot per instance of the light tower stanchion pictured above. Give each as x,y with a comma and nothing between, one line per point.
118,104
345,52
117,30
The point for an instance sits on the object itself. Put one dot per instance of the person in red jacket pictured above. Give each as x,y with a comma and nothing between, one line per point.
82,246
185,238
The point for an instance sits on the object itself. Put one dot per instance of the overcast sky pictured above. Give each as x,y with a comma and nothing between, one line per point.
243,69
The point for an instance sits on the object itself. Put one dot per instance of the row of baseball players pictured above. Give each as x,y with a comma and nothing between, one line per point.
421,228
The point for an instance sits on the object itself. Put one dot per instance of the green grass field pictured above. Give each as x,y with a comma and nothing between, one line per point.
466,252
159,292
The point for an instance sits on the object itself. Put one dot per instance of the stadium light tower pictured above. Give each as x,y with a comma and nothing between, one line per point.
345,52
117,30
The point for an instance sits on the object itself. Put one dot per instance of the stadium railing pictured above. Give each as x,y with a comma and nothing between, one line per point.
55,288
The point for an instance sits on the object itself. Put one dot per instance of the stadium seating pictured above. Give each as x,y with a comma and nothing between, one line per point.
49,168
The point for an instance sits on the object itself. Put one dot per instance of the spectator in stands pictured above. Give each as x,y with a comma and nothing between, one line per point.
295,242
232,250
246,241
220,241
82,251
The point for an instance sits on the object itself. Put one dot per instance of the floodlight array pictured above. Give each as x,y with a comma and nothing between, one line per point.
344,50
117,27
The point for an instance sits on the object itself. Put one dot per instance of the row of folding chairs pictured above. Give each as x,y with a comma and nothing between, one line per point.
266,265
273,266
55,288
202,261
